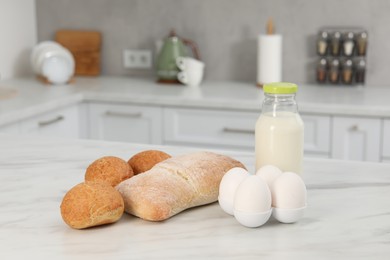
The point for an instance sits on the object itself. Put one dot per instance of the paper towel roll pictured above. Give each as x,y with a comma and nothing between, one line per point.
269,59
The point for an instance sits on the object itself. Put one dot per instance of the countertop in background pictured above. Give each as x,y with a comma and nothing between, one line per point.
34,97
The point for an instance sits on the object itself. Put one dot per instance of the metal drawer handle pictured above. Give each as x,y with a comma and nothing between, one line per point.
354,128
50,121
123,114
238,130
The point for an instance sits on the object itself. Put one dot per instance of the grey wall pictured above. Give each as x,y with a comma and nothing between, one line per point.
225,30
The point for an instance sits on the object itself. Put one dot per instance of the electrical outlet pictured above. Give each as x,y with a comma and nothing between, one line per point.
137,59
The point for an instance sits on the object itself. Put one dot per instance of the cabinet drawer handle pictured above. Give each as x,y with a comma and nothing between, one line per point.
238,130
354,128
123,114
50,121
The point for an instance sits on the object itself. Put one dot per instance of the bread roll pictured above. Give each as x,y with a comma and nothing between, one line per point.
144,161
91,204
109,169
175,184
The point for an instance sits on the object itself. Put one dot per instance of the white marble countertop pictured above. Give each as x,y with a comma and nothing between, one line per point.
347,217
34,97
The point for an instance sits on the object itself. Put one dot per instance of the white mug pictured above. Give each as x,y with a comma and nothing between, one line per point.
192,71
188,63
191,78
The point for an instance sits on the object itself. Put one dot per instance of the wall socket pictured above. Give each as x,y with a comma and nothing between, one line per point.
137,59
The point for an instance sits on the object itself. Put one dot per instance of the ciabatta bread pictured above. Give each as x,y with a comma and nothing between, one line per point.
175,184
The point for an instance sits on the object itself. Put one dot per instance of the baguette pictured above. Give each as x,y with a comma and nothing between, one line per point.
175,184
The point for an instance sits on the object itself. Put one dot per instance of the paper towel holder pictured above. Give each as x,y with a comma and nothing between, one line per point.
270,26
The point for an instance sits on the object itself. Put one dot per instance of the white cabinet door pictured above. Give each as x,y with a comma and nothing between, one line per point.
356,138
386,138
210,128
317,135
59,123
12,128
235,129
127,123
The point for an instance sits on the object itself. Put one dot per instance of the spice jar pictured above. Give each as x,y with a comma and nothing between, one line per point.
335,43
322,43
361,42
334,71
322,70
347,72
360,71
348,45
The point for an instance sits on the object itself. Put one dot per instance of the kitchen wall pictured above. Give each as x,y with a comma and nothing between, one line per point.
224,30
18,36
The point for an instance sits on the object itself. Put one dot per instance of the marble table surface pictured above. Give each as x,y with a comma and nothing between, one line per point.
348,214
33,97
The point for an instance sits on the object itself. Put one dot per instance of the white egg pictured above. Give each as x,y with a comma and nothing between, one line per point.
269,173
252,195
228,186
288,191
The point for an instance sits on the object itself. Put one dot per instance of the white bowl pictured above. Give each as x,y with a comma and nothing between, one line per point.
53,61
63,53
57,69
41,48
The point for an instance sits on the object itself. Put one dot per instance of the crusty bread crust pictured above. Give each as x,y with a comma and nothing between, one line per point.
175,184
91,204
109,169
145,160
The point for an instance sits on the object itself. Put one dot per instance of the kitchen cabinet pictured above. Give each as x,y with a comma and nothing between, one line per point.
356,138
62,122
127,123
235,130
317,135
210,128
217,115
386,140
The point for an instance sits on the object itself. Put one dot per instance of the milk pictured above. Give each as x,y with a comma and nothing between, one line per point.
279,141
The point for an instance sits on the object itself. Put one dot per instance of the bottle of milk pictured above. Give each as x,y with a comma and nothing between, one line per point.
279,129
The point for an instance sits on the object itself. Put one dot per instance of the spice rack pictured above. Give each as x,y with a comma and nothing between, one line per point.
341,56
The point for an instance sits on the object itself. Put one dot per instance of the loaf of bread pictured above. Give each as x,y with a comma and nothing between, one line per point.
175,184
145,160
91,204
109,169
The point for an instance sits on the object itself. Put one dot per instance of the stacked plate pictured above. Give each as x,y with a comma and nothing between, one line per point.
52,61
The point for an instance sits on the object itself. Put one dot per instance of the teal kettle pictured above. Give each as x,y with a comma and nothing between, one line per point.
172,48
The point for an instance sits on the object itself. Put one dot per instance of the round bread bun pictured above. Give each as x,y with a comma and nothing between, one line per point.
91,204
109,169
144,161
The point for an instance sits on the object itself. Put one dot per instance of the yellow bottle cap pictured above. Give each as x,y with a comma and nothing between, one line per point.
280,88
